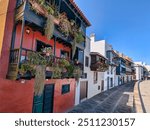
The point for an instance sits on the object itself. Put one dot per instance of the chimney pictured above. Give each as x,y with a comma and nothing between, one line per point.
92,37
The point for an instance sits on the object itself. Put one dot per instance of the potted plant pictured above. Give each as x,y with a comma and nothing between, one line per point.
64,25
47,51
37,6
70,70
27,71
77,73
56,74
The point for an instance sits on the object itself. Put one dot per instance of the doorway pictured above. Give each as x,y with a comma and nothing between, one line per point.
83,90
44,102
48,98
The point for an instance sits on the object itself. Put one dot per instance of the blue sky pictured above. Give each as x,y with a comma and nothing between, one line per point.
123,23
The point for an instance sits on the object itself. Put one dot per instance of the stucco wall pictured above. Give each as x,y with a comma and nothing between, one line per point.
7,21
64,102
16,97
29,40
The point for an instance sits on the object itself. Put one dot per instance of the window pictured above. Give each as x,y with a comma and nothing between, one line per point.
111,70
99,87
87,61
81,56
64,54
41,45
65,89
111,82
108,72
84,76
95,77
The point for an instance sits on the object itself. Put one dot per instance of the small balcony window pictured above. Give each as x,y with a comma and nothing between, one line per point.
95,77
64,54
87,61
65,89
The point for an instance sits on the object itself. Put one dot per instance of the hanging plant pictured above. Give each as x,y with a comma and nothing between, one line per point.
39,79
64,25
73,48
49,27
49,9
79,37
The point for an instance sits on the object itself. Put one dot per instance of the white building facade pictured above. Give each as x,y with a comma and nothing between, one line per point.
102,47
92,83
139,70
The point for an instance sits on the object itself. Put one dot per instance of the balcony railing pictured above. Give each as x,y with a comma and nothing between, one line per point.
98,62
38,20
14,56
18,57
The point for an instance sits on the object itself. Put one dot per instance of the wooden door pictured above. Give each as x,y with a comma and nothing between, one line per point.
83,89
48,98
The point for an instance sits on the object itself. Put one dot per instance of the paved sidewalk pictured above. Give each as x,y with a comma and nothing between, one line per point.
116,100
145,94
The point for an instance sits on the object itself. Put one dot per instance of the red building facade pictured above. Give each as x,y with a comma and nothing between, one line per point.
23,33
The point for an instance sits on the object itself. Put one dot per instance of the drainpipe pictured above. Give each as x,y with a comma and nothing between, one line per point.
22,36
55,38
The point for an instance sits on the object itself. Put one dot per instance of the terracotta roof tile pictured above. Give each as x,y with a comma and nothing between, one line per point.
80,12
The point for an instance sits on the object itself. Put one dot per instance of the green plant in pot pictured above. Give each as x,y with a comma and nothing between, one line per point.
64,25
47,51
77,73
56,72
37,64
63,64
27,71
70,70
79,37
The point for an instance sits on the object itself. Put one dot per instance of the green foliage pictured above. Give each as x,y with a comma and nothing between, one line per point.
49,9
47,50
41,2
79,37
77,72
70,70
49,27
56,72
63,63
39,80
64,25
36,59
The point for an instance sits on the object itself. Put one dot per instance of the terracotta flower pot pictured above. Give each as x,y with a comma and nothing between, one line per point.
39,9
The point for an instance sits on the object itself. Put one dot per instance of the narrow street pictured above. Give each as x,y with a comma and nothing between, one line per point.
116,100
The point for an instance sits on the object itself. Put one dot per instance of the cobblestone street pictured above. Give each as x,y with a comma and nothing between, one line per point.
116,100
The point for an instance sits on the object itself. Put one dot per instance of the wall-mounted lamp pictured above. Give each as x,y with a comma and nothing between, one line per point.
28,30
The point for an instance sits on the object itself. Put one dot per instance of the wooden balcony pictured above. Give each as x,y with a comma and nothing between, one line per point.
37,21
98,62
20,56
